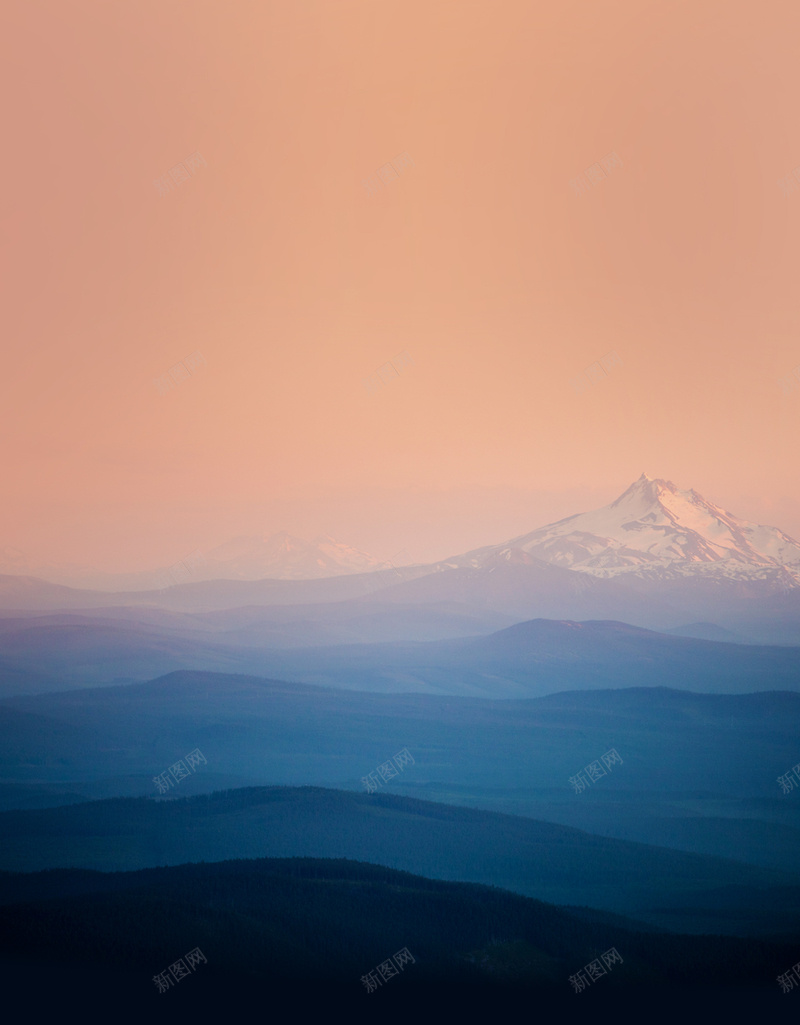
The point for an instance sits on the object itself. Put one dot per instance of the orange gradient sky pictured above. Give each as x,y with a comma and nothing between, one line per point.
480,261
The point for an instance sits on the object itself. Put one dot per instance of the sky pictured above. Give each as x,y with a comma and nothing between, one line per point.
287,196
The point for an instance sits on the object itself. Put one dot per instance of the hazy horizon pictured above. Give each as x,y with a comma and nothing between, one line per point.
417,526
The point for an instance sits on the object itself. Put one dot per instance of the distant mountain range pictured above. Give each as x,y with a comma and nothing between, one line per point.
653,531
280,556
66,651
540,657
657,557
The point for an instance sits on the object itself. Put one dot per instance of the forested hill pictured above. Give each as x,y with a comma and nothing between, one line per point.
308,930
539,859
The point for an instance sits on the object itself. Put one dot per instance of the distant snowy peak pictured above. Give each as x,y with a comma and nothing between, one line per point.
655,529
282,556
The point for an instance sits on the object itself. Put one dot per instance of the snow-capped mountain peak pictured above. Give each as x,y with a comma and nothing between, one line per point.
655,528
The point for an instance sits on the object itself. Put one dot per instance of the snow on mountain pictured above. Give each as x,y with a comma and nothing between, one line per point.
654,530
285,557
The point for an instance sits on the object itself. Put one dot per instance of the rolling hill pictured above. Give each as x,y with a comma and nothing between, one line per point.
699,771
60,652
661,887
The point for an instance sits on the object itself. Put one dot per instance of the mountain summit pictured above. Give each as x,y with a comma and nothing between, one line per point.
655,529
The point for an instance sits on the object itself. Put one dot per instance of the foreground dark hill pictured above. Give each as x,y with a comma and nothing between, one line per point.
550,862
698,771
309,930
